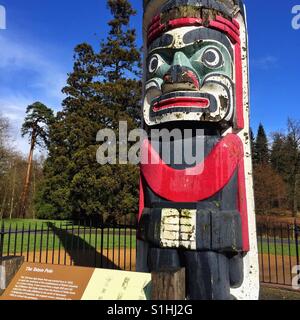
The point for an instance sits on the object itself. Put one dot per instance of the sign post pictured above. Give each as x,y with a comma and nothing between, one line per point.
50,282
168,285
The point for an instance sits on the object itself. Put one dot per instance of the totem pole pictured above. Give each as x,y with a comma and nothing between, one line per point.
199,217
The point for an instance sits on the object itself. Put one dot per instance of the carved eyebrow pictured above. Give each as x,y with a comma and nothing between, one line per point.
164,41
191,37
207,34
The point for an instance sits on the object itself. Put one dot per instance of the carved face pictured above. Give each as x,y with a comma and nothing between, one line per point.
190,76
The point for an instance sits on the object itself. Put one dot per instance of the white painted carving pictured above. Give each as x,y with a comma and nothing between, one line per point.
250,287
178,229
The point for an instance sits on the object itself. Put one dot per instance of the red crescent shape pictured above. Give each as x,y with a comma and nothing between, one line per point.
192,186
196,184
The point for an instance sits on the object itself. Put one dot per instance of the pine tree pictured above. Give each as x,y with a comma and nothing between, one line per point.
278,155
70,132
119,62
39,118
103,89
261,153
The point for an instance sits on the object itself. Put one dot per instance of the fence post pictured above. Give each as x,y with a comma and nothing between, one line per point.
2,240
168,285
297,242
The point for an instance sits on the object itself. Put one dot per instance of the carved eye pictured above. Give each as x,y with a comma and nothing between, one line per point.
212,58
155,62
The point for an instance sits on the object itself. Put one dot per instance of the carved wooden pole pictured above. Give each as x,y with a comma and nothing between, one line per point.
199,214
168,285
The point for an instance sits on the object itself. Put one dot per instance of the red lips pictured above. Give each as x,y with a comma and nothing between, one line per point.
181,102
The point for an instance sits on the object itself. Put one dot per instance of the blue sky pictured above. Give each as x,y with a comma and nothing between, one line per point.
36,53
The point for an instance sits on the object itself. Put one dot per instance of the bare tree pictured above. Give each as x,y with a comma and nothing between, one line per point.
294,141
4,132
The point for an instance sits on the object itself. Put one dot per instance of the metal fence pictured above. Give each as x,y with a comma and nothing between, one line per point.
109,246
278,246
113,246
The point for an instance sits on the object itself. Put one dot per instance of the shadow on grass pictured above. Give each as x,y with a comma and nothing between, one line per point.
81,252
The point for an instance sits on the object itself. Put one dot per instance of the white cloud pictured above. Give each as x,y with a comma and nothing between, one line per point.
265,63
17,57
13,108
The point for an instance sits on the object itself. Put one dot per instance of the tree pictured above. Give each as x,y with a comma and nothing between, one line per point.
103,89
120,66
120,92
285,159
11,185
13,169
4,127
261,150
4,130
292,150
270,189
72,142
35,125
277,155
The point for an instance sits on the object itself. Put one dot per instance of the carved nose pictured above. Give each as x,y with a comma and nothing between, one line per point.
180,78
180,59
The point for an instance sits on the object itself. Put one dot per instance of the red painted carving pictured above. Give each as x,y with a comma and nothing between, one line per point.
190,185
230,28
182,102
182,186
240,123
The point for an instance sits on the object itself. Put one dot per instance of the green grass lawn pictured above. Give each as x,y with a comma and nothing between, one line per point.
19,223
60,235
285,250
39,224
32,242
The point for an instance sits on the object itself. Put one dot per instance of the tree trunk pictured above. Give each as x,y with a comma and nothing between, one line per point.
3,206
13,194
24,196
